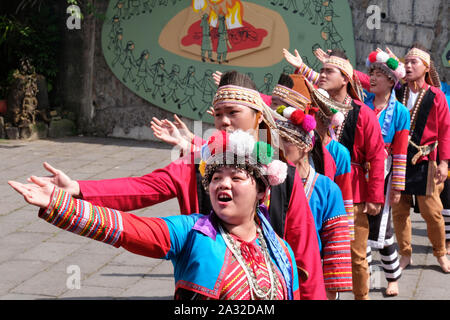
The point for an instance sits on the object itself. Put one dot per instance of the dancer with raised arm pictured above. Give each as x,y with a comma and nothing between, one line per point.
230,254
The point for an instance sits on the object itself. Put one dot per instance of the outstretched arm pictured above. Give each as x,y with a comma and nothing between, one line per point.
300,66
144,236
166,131
59,179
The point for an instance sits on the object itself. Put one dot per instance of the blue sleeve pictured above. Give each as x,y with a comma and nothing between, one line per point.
403,121
341,157
335,204
179,229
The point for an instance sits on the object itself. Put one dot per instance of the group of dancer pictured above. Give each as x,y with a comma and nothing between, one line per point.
284,199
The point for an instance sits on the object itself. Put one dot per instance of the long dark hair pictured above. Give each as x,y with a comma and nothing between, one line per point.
317,154
238,79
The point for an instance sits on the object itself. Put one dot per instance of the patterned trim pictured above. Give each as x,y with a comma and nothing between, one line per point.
337,264
309,73
348,205
83,218
294,134
212,293
291,97
398,171
238,95
342,64
415,52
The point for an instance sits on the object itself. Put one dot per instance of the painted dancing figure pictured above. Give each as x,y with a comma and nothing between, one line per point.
118,47
222,42
208,88
115,25
143,71
173,83
159,74
206,47
129,62
189,83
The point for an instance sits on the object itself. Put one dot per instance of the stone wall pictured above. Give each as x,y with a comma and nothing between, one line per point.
108,108
403,23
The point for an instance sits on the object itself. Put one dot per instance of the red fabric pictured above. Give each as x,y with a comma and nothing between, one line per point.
266,98
364,79
177,179
198,142
329,164
344,181
400,142
368,147
438,127
148,237
300,233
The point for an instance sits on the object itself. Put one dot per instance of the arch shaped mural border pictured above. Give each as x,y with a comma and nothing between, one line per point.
165,50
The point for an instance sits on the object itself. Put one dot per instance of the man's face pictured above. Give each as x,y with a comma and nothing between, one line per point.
331,78
415,68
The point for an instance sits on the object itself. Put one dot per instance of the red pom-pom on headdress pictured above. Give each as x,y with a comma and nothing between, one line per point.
297,117
217,143
373,56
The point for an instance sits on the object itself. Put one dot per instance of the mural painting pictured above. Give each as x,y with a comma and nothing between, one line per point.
446,56
166,50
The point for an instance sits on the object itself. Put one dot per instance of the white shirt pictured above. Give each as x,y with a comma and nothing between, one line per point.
412,99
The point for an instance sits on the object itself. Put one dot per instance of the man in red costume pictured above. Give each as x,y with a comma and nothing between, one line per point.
360,133
428,154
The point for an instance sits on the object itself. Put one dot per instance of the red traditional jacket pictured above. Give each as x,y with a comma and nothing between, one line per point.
430,125
180,179
362,137
395,123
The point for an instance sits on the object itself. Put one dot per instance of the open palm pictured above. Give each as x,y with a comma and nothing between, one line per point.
296,61
37,193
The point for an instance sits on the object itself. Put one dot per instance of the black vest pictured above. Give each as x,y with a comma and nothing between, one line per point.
349,130
416,175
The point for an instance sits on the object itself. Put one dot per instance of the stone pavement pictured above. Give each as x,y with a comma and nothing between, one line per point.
40,261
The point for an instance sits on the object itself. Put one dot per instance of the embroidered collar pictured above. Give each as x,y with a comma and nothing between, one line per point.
207,224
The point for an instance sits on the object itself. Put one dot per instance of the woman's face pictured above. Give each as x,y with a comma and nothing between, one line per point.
293,153
380,83
234,195
276,102
231,117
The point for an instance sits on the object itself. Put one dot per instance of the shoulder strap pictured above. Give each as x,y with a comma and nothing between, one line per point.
280,196
204,203
349,131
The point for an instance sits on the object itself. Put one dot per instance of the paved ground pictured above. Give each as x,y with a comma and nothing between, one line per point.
40,261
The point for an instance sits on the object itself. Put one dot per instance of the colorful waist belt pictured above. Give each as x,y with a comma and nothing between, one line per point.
423,150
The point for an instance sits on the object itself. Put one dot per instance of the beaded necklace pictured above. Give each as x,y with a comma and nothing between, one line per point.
255,288
340,129
415,109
